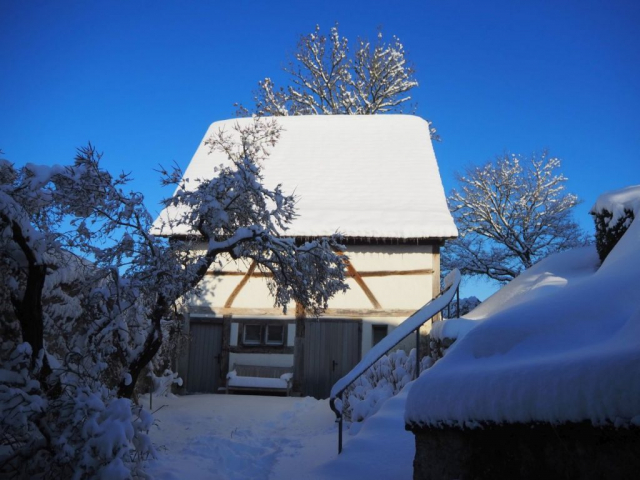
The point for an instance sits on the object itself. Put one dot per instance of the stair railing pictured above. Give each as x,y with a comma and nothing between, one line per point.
402,331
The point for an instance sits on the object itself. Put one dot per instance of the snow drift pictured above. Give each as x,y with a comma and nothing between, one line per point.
560,343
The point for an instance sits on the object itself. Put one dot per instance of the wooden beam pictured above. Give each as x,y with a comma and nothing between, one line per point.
298,349
240,285
435,259
373,273
276,312
361,283
393,273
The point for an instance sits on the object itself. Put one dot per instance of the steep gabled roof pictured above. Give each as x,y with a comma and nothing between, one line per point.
371,176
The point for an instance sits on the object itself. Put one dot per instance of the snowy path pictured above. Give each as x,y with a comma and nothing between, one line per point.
272,438
237,436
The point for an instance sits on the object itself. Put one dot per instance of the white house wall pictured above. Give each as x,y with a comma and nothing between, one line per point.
286,360
393,292
266,359
392,322
387,284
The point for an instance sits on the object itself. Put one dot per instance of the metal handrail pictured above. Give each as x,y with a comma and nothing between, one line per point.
423,315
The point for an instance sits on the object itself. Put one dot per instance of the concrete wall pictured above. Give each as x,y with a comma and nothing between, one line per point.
527,451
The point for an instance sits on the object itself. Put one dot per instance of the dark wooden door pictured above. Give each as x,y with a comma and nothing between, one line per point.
205,348
331,350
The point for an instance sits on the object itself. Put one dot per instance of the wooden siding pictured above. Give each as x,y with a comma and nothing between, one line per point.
205,355
331,349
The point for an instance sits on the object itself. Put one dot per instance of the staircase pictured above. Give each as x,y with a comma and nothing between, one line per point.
402,331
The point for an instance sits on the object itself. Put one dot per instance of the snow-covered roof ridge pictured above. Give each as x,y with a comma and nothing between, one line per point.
371,176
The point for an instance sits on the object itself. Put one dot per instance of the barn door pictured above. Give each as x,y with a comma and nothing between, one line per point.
332,349
205,350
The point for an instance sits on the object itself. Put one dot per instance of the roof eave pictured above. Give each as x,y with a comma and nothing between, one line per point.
346,239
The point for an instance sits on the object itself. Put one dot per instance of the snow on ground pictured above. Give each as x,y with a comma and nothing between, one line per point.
383,449
267,437
237,436
559,343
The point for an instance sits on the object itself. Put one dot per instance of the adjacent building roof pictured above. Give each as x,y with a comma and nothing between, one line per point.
371,176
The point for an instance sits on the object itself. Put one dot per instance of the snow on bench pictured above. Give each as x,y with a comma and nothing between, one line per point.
260,378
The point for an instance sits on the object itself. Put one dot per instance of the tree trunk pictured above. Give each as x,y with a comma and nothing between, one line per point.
152,344
28,309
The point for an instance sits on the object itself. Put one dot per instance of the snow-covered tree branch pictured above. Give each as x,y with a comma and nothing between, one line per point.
58,415
91,293
236,215
326,79
510,214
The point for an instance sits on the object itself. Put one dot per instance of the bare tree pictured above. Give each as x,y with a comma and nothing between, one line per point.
510,213
326,79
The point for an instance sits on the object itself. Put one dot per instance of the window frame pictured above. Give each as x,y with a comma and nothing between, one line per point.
252,343
264,335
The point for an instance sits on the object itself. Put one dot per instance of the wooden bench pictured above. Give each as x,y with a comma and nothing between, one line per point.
260,378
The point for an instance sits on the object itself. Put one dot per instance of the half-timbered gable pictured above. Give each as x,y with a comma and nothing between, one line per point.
372,179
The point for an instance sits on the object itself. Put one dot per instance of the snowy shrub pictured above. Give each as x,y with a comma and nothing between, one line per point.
161,384
100,435
76,430
21,404
609,230
466,305
59,412
381,381
438,347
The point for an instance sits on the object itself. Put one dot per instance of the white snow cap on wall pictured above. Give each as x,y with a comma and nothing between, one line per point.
360,175
560,343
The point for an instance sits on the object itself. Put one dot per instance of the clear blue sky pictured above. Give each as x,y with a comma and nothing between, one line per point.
143,80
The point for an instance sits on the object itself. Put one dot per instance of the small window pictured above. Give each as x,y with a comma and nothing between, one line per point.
379,332
252,335
275,334
265,334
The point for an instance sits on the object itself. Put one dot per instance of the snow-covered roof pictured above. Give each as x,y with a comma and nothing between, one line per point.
371,176
560,343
